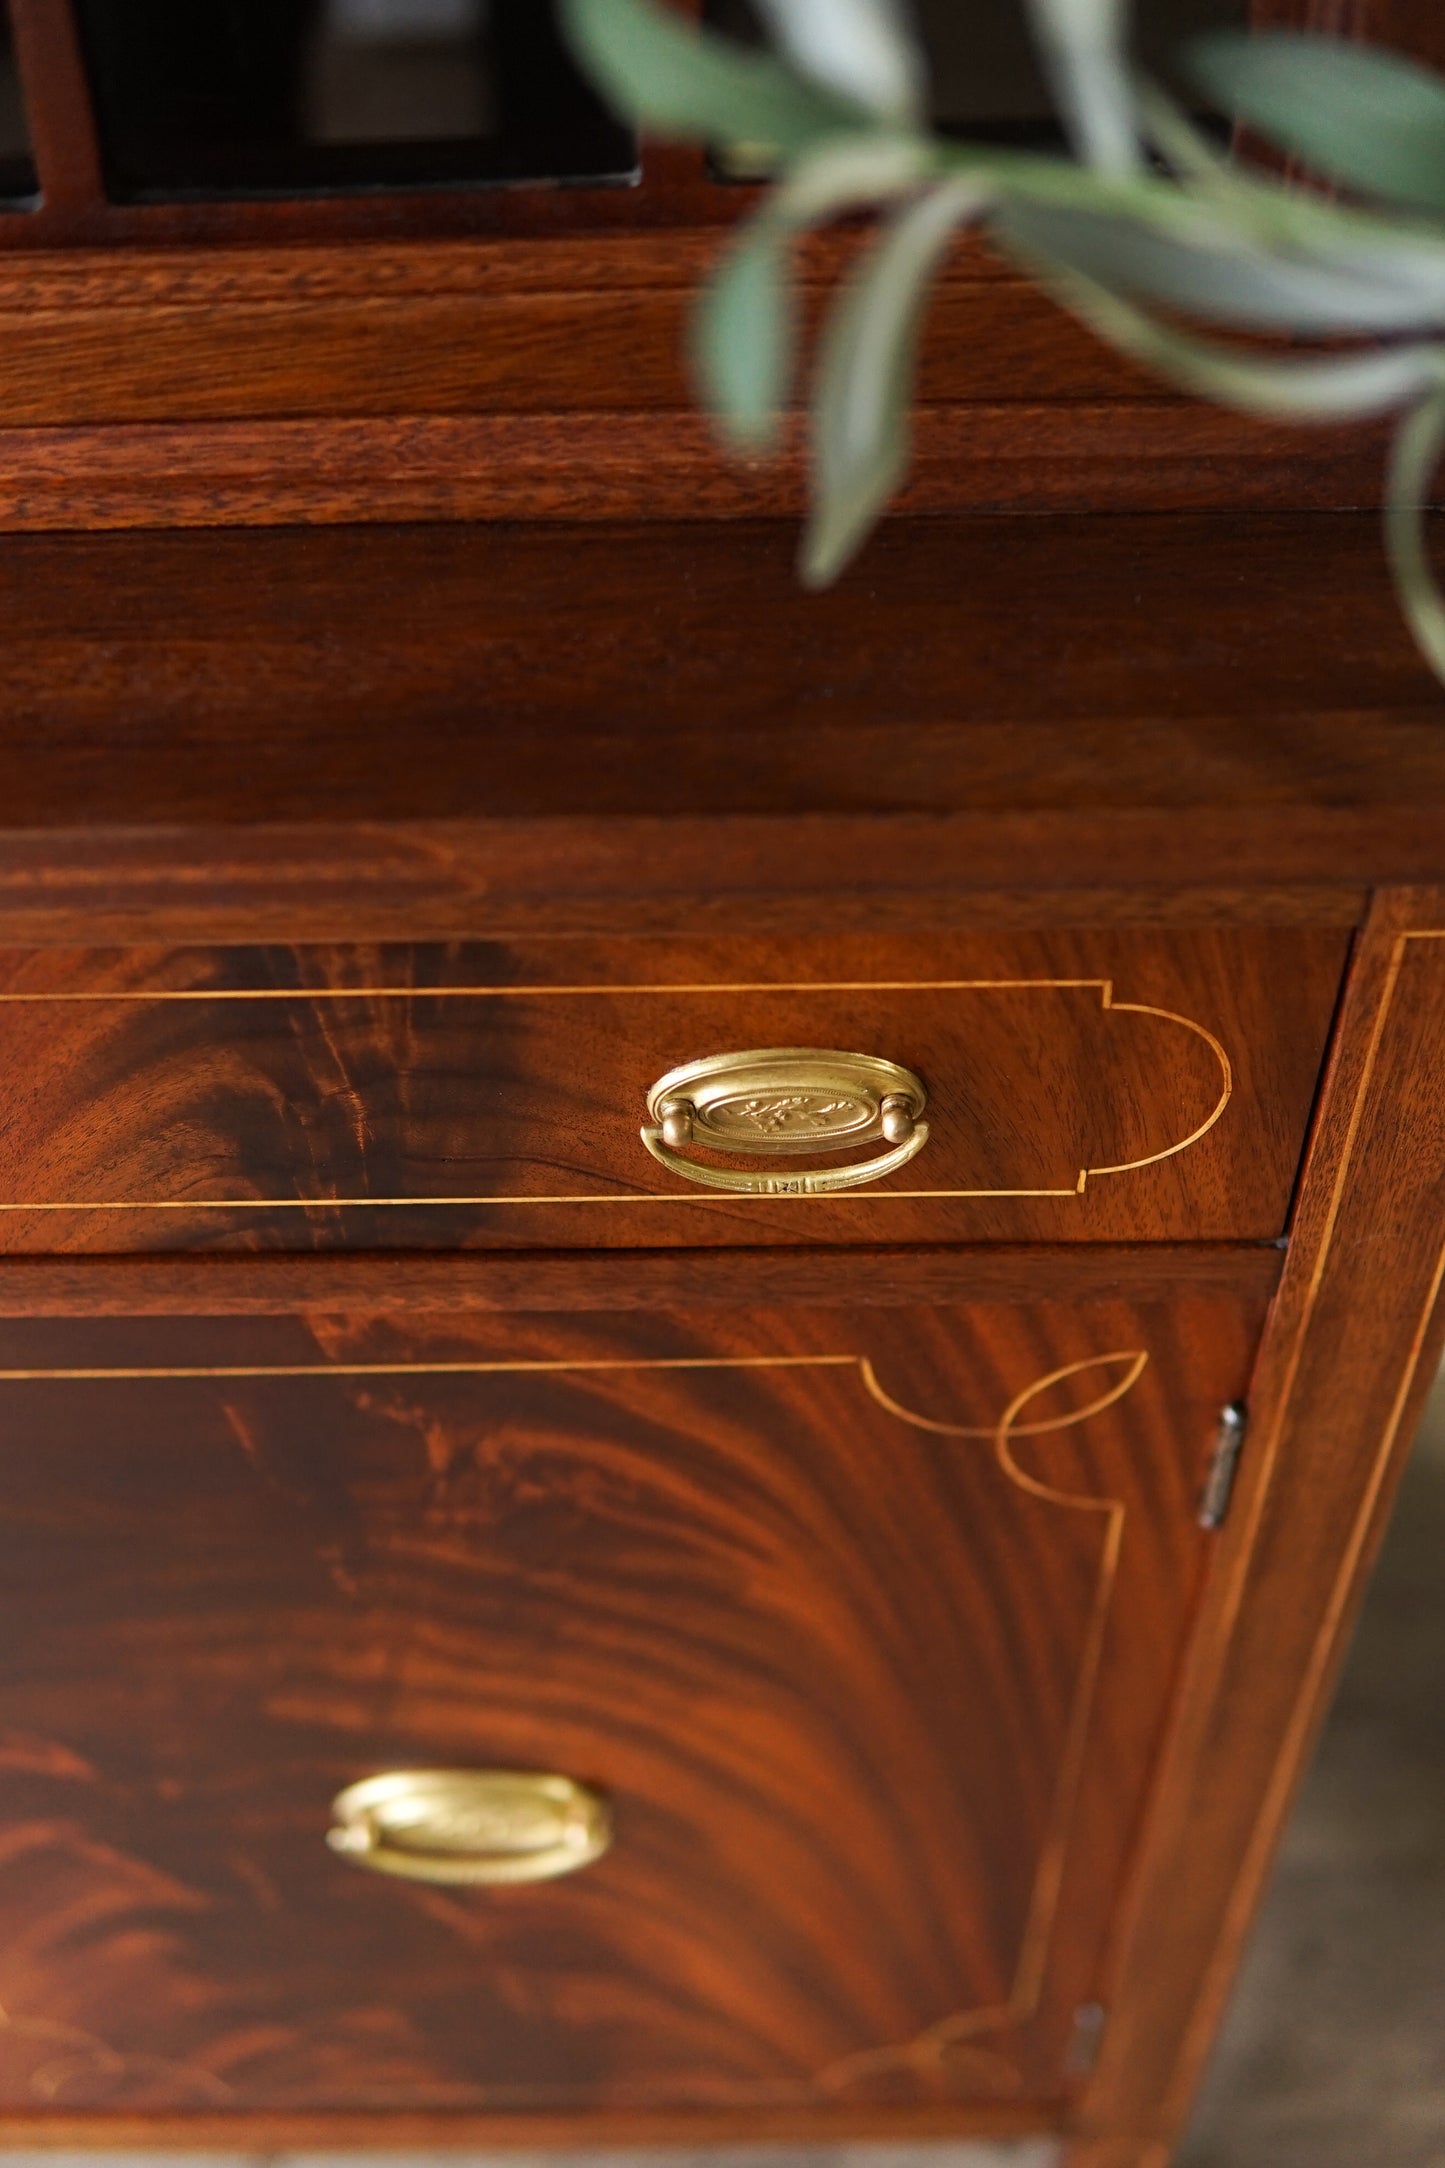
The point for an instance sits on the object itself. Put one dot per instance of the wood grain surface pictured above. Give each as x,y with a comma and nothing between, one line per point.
866,1623
374,1285
123,324
956,716
1349,1357
1085,455
1121,1086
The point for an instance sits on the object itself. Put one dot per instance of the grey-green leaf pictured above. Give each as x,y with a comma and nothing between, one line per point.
677,80
865,374
744,338
1221,276
1082,46
1363,117
1416,455
745,331
1334,387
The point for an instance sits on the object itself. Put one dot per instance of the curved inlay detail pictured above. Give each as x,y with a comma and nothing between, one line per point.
944,2042
1201,1129
253,1096
954,2046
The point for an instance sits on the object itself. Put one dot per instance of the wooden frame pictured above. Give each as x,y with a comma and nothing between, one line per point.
512,366
1343,1374
516,355
1356,1328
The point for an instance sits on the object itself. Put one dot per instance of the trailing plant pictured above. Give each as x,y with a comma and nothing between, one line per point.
1146,231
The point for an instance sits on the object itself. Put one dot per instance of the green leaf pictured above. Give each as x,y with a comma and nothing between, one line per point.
745,330
1220,275
1082,46
683,82
1333,388
745,337
1366,118
1415,457
865,374
862,49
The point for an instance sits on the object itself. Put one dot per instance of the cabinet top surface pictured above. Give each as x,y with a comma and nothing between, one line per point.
1181,681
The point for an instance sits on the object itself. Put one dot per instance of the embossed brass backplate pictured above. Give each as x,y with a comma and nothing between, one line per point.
787,1099
470,1825
784,1100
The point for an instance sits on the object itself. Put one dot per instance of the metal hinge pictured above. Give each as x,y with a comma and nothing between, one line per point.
1223,1465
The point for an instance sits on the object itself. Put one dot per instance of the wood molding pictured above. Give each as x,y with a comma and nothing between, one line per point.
58,106
390,2131
1095,456
1343,1373
436,879
423,1283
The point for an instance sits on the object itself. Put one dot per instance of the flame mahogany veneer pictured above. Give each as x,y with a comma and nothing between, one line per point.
851,1547
930,1733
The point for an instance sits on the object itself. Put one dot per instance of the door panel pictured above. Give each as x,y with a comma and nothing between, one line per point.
863,1623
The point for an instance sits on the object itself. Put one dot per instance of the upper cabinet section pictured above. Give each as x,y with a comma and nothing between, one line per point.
163,121
301,97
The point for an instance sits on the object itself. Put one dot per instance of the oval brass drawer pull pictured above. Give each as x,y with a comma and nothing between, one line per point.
782,1101
470,1825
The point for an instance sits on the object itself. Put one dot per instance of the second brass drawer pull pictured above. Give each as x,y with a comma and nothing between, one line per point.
784,1101
470,1825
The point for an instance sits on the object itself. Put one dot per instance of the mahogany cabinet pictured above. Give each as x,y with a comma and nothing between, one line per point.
708,1297
905,1606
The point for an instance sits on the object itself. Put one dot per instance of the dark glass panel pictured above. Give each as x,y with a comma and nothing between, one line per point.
17,168
985,78
206,98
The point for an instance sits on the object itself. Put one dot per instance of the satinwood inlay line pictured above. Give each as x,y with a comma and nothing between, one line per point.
865,1196
949,2038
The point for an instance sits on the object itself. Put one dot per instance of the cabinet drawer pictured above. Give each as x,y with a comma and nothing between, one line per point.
862,1626
1115,1085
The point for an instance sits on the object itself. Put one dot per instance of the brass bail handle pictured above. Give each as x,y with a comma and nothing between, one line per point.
778,1102
462,1827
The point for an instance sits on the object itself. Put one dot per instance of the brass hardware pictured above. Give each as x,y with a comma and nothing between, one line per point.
676,1122
785,1100
461,1826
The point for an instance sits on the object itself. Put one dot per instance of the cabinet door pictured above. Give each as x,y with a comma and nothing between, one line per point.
862,1624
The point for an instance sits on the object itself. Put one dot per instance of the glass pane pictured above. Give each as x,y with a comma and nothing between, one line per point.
17,171
984,74
291,97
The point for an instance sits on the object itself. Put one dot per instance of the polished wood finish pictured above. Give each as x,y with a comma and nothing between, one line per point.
448,381
866,1623
1123,1087
982,457
1094,777
1349,1356
603,727
58,111
371,1286
880,1751
451,315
